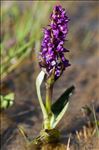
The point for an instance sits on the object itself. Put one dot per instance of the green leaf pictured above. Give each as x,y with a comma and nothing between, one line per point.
60,106
39,81
9,96
6,101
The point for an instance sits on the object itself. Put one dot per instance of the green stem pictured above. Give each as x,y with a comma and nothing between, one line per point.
49,90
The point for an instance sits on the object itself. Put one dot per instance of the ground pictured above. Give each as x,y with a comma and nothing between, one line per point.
83,73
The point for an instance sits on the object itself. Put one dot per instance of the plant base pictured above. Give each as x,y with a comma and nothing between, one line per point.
47,136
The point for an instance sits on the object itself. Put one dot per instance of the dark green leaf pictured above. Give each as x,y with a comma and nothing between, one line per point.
62,101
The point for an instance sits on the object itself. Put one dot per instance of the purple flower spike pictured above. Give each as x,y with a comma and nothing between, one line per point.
52,47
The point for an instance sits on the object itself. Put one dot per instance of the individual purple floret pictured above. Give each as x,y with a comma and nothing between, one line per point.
52,56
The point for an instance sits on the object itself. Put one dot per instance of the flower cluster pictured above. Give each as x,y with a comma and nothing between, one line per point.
52,56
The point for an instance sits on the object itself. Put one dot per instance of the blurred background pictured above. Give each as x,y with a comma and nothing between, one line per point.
21,34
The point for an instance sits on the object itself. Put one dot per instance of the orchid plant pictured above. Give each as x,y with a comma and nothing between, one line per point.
52,62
